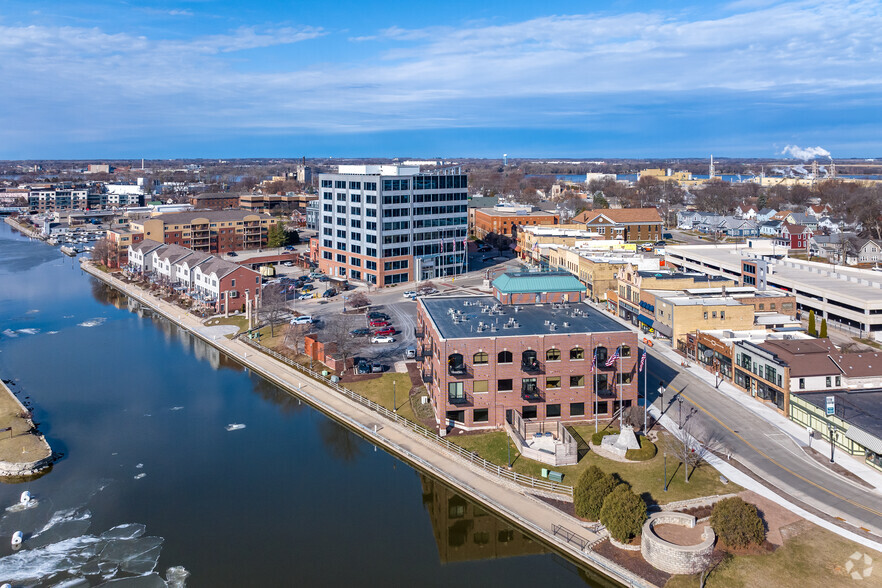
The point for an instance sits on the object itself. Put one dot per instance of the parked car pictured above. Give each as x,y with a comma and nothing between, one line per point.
659,243
379,323
315,274
410,353
378,315
307,287
329,293
382,339
378,368
364,368
323,278
233,254
305,296
288,264
409,294
303,319
386,331
667,236
360,332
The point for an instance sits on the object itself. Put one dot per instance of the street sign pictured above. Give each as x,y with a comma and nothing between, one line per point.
831,405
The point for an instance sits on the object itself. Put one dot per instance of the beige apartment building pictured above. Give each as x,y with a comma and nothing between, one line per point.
677,314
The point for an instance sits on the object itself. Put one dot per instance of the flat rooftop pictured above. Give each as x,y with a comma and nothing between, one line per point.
861,408
460,317
858,287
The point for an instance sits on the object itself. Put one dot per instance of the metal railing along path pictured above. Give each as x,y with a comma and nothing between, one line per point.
492,468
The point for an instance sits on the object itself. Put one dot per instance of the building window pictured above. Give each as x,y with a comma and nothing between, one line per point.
625,351
802,383
456,415
577,353
577,381
552,355
480,415
529,412
838,381
506,385
600,354
625,378
829,381
552,411
577,409
480,386
552,382
504,357
455,392
480,358
705,315
602,407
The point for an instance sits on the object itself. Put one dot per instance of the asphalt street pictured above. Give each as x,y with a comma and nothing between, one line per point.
768,452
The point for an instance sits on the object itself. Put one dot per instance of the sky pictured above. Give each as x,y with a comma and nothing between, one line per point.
109,79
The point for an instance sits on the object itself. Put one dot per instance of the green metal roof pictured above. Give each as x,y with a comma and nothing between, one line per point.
535,282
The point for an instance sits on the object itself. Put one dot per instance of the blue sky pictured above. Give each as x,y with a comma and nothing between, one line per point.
204,78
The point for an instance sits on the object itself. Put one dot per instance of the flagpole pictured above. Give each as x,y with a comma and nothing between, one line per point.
645,389
594,374
619,389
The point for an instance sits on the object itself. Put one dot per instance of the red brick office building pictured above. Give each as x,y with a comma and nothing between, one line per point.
483,358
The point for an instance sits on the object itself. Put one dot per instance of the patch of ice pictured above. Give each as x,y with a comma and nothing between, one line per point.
73,583
18,507
147,414
139,466
30,566
32,311
29,331
51,332
149,581
141,475
10,333
126,531
65,516
177,577
68,316
234,426
177,408
135,556
93,322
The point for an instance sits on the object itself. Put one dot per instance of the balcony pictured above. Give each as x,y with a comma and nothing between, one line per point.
531,365
458,369
465,399
531,393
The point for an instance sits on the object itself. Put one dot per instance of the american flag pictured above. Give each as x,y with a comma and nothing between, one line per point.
642,361
612,360
593,362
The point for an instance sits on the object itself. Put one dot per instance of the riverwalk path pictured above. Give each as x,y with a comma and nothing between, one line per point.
564,533
22,451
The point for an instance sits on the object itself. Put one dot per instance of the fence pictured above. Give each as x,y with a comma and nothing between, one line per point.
497,470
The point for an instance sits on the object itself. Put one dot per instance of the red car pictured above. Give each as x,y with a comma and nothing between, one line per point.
387,331
379,323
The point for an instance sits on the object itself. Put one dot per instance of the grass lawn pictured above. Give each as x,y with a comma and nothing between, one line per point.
238,320
815,558
380,391
645,477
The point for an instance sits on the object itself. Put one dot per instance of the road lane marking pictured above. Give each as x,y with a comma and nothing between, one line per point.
786,469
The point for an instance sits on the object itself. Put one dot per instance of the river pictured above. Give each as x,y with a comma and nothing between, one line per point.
152,479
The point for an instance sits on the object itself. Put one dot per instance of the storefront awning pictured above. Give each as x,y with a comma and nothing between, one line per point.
645,320
865,439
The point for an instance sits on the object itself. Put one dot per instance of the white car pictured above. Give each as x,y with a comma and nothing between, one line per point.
302,320
305,297
409,294
382,339
288,264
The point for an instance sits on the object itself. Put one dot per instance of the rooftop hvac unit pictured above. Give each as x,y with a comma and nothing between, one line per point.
566,324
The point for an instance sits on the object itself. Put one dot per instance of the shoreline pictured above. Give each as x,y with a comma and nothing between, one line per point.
511,502
27,231
21,440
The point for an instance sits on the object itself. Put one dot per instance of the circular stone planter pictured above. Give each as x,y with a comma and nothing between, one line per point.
670,557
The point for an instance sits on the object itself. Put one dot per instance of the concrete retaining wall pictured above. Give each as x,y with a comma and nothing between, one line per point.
27,468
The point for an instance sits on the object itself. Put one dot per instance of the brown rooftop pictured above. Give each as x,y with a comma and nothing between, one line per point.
211,215
621,215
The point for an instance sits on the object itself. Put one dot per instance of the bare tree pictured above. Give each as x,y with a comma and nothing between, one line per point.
691,444
273,307
337,332
103,252
359,300
293,336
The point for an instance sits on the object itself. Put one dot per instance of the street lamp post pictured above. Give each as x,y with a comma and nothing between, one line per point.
661,393
666,471
394,403
832,440
680,403
508,446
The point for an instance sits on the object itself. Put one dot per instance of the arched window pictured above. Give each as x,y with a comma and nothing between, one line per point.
577,353
480,358
625,351
504,357
455,364
529,361
552,355
600,355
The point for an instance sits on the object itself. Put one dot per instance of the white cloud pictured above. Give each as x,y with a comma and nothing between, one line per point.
426,77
